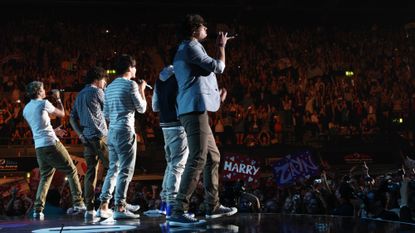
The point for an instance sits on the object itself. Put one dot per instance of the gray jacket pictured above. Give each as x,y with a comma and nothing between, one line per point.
195,73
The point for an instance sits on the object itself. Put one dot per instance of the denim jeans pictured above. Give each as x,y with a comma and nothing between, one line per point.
203,156
175,147
95,151
49,159
122,146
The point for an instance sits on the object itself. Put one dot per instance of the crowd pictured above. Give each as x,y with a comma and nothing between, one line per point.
284,85
358,193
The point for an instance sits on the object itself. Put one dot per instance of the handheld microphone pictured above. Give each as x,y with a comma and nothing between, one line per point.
141,81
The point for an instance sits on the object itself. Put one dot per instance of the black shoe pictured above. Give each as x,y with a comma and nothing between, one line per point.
185,220
221,211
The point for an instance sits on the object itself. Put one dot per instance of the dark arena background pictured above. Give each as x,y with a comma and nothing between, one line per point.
316,133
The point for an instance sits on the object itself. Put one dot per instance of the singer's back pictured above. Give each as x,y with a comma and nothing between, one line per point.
121,101
195,74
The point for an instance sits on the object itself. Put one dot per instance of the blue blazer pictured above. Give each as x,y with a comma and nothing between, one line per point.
195,73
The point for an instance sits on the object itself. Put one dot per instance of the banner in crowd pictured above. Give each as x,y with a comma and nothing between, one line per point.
294,166
239,167
357,158
80,165
8,165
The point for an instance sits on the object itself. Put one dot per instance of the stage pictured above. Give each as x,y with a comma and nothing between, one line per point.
238,223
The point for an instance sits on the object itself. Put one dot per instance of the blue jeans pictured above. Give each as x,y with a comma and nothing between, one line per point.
122,146
175,147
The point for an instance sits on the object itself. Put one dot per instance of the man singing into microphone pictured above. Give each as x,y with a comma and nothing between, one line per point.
198,93
50,152
122,98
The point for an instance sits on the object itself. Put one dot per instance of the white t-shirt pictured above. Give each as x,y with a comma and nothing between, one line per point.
36,113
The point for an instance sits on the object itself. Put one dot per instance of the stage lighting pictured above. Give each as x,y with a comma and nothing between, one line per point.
349,73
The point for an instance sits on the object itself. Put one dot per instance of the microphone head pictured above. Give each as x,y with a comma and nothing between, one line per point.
140,81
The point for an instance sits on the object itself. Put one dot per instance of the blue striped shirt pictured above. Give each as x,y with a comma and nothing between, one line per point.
88,110
121,100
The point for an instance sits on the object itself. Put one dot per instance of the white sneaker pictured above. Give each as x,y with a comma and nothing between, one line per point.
104,213
192,215
126,214
132,208
38,215
90,214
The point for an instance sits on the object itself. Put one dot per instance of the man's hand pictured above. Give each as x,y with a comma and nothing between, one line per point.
60,132
142,84
56,94
223,39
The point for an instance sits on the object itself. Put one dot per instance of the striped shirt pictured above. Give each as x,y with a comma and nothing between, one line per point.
88,110
121,100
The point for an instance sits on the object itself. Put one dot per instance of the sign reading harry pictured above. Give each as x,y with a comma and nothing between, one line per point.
239,167
294,166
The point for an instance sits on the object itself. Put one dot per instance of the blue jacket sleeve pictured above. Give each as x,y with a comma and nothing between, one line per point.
198,56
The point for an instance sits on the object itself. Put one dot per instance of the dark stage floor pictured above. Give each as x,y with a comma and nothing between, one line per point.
238,223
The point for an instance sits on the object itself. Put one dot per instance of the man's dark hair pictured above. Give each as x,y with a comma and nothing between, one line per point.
95,73
123,63
189,25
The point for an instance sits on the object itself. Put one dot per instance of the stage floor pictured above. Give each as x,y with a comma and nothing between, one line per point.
238,223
